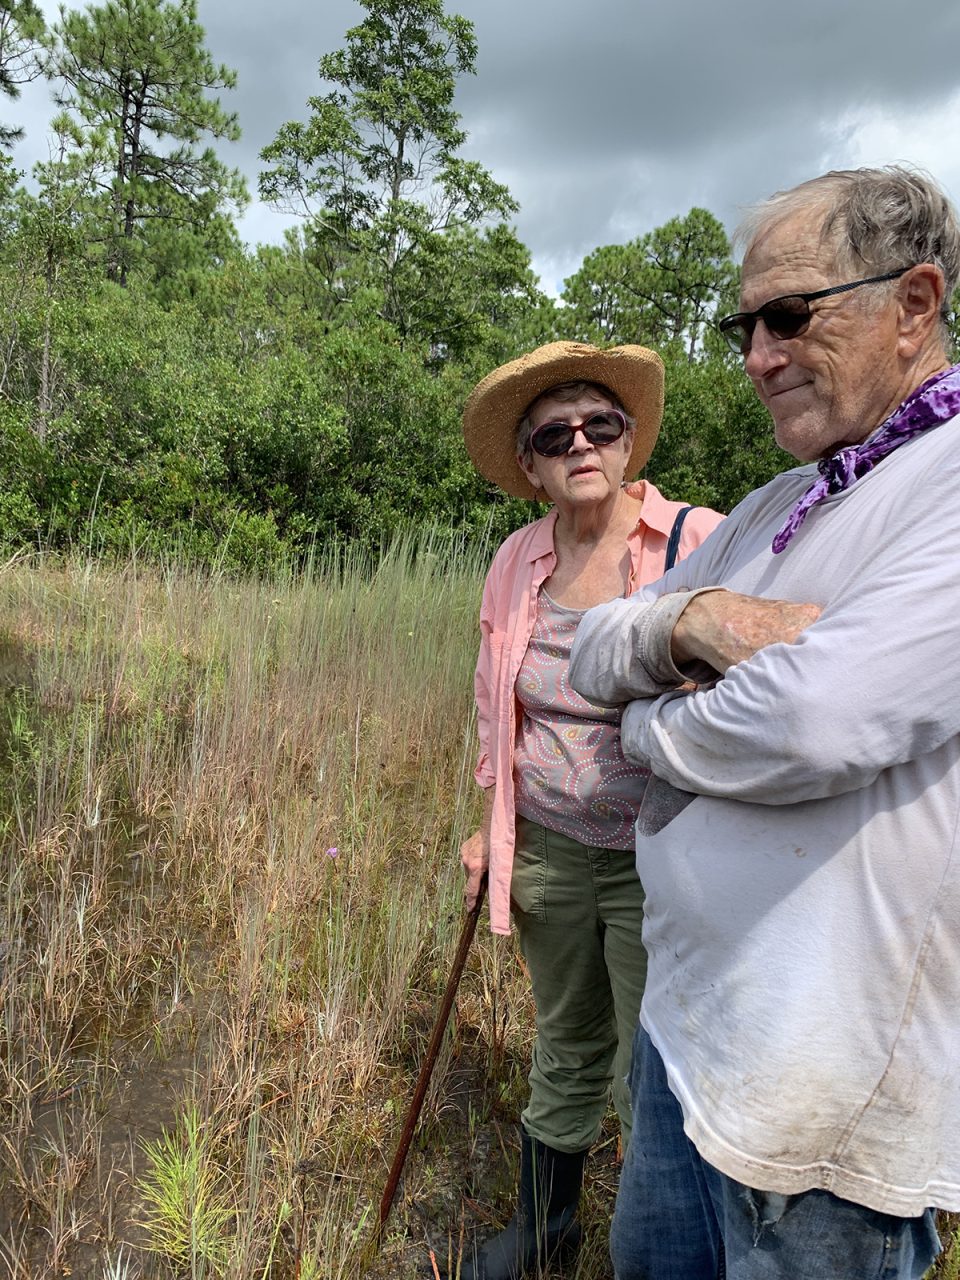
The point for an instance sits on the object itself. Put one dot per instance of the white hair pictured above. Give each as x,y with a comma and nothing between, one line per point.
875,220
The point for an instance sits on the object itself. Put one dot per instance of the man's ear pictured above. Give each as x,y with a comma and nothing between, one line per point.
920,296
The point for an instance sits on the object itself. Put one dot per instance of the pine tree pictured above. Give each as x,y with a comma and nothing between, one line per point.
376,168
137,78
21,29
662,288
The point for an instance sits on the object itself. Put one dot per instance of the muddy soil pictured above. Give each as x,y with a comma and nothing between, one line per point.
460,1182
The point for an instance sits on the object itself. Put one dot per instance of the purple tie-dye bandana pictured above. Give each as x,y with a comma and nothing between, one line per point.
934,401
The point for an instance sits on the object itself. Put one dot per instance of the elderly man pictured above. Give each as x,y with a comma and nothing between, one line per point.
796,1076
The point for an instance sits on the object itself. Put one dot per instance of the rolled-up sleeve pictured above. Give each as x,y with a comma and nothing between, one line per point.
623,649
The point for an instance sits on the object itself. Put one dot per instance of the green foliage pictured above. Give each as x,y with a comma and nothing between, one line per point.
393,211
221,413
240,409
21,31
389,127
947,1266
187,1211
716,443
21,499
229,442
137,76
953,324
662,289
465,294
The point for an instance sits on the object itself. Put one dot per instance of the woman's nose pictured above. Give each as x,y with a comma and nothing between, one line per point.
579,443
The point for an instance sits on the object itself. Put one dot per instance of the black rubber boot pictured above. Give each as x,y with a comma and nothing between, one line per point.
545,1224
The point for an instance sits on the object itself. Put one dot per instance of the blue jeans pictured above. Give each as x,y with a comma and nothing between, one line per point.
677,1216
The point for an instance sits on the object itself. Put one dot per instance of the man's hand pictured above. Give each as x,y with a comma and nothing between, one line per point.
722,627
475,852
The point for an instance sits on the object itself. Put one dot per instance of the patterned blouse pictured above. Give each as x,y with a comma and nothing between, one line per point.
569,770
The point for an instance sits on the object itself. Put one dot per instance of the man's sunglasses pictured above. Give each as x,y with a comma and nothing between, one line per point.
553,439
785,317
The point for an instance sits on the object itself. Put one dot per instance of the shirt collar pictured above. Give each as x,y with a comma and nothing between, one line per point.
541,541
656,513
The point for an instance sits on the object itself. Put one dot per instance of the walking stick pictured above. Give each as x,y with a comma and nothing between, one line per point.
426,1071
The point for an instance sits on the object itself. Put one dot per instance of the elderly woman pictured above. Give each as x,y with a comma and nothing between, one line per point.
568,424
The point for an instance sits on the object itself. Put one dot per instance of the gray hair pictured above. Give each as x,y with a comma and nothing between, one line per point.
565,392
876,220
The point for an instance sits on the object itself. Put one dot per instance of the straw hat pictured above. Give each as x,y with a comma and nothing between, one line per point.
498,402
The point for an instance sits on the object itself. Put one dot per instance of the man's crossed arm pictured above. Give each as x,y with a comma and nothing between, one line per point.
722,628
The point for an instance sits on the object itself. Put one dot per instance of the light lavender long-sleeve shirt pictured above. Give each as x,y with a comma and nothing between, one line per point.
803,911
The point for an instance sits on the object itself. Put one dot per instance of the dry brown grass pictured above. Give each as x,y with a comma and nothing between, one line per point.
182,755
210,1022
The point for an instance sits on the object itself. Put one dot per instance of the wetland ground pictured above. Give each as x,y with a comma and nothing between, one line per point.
230,815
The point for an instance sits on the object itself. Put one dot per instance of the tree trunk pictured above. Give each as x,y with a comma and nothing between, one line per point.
396,186
130,209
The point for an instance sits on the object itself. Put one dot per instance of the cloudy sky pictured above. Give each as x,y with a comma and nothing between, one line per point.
607,117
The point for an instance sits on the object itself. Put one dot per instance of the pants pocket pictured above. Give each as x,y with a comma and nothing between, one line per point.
529,877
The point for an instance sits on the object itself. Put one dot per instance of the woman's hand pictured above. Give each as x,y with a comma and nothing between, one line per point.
475,852
475,856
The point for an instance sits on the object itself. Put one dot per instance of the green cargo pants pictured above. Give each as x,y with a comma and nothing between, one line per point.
578,912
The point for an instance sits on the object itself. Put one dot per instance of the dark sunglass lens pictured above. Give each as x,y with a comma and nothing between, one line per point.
738,330
552,439
603,428
787,317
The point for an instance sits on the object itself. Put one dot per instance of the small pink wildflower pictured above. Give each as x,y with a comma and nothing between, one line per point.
332,852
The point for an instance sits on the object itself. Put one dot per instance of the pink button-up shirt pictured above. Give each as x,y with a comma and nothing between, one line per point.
507,616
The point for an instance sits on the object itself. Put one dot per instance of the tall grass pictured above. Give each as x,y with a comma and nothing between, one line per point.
230,814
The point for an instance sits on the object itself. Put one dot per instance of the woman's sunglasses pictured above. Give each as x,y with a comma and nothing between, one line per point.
785,317
553,439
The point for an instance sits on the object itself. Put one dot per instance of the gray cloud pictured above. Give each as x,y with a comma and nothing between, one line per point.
608,117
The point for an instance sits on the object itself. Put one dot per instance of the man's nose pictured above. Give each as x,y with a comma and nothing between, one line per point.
766,352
